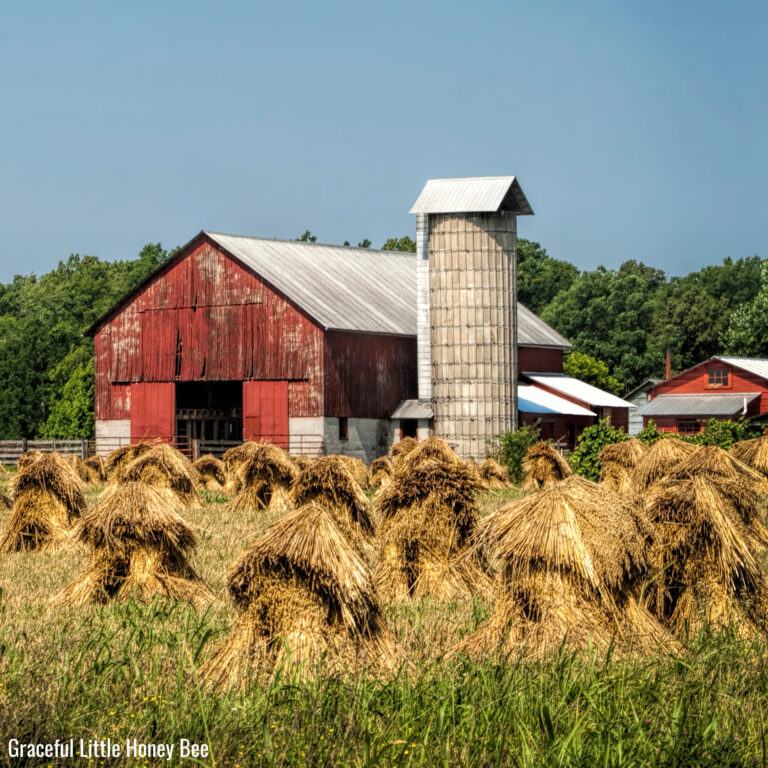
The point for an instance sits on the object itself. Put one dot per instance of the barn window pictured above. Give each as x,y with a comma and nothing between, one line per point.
717,377
688,427
343,428
408,428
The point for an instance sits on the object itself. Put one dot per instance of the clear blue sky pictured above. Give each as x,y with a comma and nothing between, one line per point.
637,130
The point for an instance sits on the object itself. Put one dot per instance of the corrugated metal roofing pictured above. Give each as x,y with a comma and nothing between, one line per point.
531,399
756,365
343,288
532,331
484,194
580,390
720,404
645,386
413,409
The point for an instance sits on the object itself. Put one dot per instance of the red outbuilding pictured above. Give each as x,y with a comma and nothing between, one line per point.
719,388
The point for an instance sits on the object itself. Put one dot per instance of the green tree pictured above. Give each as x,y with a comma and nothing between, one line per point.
587,368
306,237
364,243
509,449
747,332
724,433
71,413
404,244
540,277
592,440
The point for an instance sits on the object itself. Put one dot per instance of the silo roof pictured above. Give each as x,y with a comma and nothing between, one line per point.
478,194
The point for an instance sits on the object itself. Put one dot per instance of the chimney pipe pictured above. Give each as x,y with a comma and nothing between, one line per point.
668,367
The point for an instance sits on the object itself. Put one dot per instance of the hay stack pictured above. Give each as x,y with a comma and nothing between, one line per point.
618,460
380,472
398,451
212,474
753,453
99,466
304,594
493,475
264,480
117,461
28,457
81,469
329,482
302,461
659,459
168,472
233,460
356,468
574,556
543,465
428,515
433,448
139,547
709,537
47,501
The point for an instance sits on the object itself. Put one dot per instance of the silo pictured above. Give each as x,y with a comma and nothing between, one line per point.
467,307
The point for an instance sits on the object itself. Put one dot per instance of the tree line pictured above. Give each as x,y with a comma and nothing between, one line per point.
619,321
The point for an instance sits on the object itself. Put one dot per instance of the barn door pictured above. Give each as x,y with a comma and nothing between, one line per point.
153,411
265,411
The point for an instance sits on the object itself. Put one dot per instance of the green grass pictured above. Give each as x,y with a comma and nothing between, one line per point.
129,671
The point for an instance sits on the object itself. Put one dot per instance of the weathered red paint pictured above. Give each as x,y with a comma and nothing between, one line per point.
367,375
153,412
207,317
265,411
694,381
539,360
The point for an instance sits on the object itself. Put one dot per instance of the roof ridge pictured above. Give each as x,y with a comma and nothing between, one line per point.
309,242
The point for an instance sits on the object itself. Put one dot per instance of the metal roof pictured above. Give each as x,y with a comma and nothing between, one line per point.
579,390
532,331
414,409
531,399
756,365
343,288
720,404
644,387
482,194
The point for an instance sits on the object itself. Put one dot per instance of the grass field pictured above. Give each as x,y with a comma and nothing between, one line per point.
128,671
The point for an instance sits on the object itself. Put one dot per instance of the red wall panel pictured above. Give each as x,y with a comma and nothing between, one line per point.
205,317
153,411
367,375
539,360
265,411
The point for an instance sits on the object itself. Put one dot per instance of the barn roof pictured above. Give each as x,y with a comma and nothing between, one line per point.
479,194
579,390
342,287
715,404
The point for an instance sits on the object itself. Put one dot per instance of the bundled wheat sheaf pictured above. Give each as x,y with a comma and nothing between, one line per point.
81,469
432,448
427,517
329,482
398,451
619,460
233,460
573,559
305,595
167,471
493,475
710,541
659,459
213,476
263,480
543,465
139,548
120,458
47,501
753,453
356,468
99,466
380,472
5,502
302,461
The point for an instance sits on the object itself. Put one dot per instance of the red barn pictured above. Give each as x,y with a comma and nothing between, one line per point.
719,388
310,346
235,338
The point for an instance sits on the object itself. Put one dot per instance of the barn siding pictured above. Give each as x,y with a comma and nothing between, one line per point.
366,376
539,360
207,317
694,381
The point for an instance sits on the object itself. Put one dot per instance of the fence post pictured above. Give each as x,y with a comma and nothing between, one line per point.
84,449
23,444
196,449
